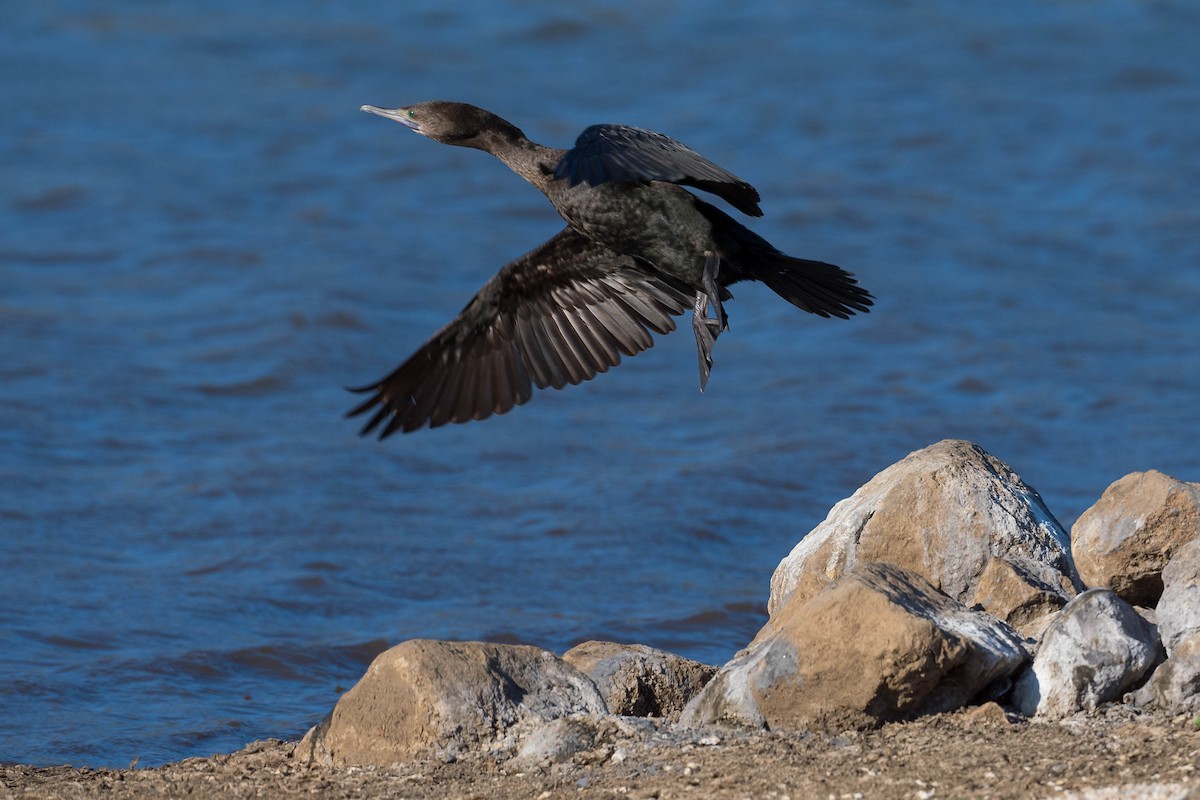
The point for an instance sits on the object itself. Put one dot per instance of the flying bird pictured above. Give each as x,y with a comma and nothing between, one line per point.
638,250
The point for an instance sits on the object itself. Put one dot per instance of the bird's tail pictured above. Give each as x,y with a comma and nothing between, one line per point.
814,286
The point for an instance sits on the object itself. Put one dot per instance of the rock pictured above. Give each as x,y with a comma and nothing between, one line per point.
1095,649
879,644
557,741
581,738
640,681
1125,539
1179,607
955,515
989,714
1175,685
427,698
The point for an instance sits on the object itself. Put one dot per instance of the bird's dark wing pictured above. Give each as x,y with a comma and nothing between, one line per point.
560,314
605,153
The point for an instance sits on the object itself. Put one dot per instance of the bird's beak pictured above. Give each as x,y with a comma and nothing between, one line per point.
398,114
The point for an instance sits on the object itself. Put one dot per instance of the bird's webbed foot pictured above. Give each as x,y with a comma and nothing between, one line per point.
706,328
708,279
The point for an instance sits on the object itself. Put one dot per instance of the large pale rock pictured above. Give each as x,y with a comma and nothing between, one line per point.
640,681
1175,685
1125,539
1179,607
955,515
1095,649
427,698
877,645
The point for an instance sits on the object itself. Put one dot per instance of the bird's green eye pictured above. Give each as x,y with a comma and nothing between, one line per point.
412,114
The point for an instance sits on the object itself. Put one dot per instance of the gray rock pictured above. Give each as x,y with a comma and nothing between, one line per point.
1179,608
640,681
581,739
557,741
877,645
1175,685
955,515
427,698
1094,650
1124,541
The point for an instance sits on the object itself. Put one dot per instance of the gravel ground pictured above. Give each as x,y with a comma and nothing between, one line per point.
981,753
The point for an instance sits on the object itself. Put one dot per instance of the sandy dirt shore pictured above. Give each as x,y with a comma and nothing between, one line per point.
975,754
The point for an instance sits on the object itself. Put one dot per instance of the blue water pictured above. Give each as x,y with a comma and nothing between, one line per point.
202,241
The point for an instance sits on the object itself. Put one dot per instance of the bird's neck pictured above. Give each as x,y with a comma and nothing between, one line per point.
533,162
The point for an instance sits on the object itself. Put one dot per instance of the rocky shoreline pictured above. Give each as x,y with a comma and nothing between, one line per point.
939,634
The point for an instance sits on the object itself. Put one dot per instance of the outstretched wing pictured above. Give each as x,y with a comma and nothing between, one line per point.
604,153
556,316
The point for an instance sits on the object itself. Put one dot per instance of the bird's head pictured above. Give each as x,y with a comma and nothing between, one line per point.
452,123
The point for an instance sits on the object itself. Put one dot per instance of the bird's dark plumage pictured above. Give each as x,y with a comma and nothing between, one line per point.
637,250
607,153
556,316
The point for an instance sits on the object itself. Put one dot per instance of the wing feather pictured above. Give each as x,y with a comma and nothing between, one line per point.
606,153
560,314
